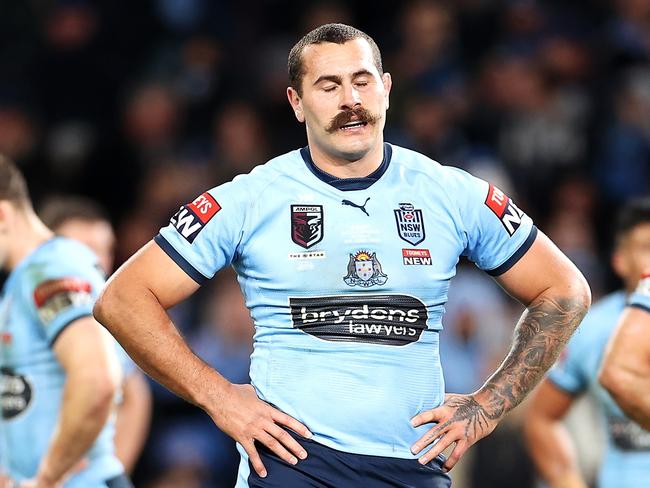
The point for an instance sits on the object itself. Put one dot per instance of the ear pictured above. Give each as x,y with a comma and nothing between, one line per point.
296,103
388,84
619,264
5,215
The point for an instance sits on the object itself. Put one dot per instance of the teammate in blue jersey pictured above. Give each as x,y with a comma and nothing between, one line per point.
84,220
626,366
344,251
626,462
625,372
59,371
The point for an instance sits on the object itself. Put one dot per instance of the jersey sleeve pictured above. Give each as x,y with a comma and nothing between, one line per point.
203,236
62,291
568,373
497,233
641,296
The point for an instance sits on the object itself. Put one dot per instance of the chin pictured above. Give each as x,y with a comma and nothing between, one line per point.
353,151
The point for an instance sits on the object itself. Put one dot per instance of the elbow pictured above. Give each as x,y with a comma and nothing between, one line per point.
103,387
103,306
612,379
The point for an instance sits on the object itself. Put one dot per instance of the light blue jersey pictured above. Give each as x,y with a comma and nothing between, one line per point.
626,461
346,280
640,298
52,287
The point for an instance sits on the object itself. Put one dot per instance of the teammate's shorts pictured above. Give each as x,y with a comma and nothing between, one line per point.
121,481
328,468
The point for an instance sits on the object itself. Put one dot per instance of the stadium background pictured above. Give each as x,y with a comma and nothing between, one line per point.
143,105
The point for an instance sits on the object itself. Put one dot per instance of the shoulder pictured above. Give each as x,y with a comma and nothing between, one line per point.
599,322
444,176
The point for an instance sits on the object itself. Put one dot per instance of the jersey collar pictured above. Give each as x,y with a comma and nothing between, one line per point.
348,184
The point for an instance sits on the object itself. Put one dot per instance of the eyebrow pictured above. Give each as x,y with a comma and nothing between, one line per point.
338,79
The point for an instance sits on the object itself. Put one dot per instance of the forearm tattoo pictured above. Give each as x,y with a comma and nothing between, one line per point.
540,335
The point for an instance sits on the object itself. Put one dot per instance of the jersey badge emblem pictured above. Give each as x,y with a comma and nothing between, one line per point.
364,269
410,223
306,225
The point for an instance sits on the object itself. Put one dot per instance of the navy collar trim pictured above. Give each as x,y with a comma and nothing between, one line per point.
348,184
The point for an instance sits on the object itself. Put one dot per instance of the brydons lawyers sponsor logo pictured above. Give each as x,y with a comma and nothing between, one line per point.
394,320
191,218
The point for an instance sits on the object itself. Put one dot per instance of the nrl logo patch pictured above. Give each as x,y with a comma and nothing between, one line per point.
364,270
410,223
306,224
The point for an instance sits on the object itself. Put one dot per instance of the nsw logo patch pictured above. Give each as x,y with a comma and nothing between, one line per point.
191,218
306,225
410,223
505,209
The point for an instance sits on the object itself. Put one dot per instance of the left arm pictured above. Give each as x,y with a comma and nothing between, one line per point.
625,371
86,353
132,421
557,297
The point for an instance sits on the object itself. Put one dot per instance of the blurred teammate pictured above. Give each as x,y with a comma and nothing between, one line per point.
626,461
344,251
84,220
59,368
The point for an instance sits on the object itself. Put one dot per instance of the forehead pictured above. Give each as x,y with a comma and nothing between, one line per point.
640,234
328,58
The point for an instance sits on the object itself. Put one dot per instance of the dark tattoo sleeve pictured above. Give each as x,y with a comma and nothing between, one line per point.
540,335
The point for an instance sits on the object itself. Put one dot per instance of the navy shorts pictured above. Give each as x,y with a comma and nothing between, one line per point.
328,468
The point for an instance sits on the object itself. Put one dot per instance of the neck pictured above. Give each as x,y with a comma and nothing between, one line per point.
30,233
344,168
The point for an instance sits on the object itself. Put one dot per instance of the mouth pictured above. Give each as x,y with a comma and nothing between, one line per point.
355,124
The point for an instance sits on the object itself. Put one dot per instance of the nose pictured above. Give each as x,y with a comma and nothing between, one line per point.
350,97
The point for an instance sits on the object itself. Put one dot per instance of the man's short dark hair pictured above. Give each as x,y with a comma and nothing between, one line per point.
12,184
634,212
57,210
335,33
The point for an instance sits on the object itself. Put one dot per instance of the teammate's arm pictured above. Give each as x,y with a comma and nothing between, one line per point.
132,307
92,376
557,297
548,440
625,371
132,420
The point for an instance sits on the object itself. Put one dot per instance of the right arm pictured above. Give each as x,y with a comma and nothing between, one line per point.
133,308
548,440
625,372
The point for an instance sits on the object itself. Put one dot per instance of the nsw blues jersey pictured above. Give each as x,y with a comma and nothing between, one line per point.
626,461
52,287
641,296
346,281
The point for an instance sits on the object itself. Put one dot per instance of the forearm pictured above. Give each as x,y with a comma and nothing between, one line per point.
84,411
142,326
553,453
539,337
132,420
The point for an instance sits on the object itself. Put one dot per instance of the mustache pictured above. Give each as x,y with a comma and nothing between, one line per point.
360,114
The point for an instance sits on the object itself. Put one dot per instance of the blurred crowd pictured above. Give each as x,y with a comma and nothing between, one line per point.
143,105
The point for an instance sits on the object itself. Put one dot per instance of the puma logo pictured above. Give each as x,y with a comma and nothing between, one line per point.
360,207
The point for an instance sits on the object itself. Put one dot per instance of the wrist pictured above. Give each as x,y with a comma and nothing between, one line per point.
492,403
45,477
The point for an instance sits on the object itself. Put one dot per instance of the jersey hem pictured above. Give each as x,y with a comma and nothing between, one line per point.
371,450
183,263
516,256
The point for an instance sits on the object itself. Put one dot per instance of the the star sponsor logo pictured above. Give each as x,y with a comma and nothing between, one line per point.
16,393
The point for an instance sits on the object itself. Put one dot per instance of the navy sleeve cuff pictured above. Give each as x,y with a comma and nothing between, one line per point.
518,254
563,388
65,326
191,271
638,305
